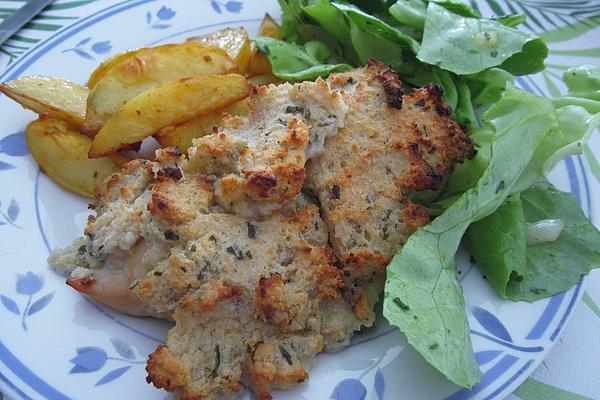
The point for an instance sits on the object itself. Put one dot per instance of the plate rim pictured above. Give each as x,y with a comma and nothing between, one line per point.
41,48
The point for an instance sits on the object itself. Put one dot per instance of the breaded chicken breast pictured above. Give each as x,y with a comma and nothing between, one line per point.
258,278
254,303
258,161
393,143
253,300
138,213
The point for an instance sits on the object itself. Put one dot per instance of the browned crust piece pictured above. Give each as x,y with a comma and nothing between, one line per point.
258,160
393,144
269,300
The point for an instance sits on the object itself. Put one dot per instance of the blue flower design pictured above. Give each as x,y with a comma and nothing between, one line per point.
28,285
496,332
101,47
13,145
379,384
11,214
92,359
163,14
231,6
349,389
4,166
491,323
88,52
485,356
88,359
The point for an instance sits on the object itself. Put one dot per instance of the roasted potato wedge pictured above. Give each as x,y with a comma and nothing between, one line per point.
269,27
148,68
166,105
62,154
234,41
58,98
181,135
259,64
103,68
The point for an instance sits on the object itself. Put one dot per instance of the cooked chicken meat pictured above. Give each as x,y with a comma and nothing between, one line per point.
259,160
230,283
392,144
138,212
257,278
254,302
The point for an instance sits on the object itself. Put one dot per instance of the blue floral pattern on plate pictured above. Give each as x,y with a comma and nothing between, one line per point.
27,285
13,145
231,6
10,216
92,359
490,337
98,48
499,333
354,389
158,21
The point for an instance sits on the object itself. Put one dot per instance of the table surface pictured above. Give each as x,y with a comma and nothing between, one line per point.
572,369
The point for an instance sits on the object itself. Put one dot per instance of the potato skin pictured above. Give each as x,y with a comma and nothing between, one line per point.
145,69
168,104
62,152
181,135
235,42
58,98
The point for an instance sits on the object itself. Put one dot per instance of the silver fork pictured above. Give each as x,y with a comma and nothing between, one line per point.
14,22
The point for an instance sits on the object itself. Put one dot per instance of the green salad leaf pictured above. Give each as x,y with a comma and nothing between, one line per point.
550,267
466,174
489,199
410,12
377,26
583,81
518,271
422,275
414,12
487,86
467,45
465,111
553,267
457,7
295,63
369,46
499,245
511,20
574,126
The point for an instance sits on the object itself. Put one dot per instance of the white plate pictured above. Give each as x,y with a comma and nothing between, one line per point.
57,344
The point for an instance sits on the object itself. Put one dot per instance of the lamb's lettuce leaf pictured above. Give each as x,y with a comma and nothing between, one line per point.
467,45
422,294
